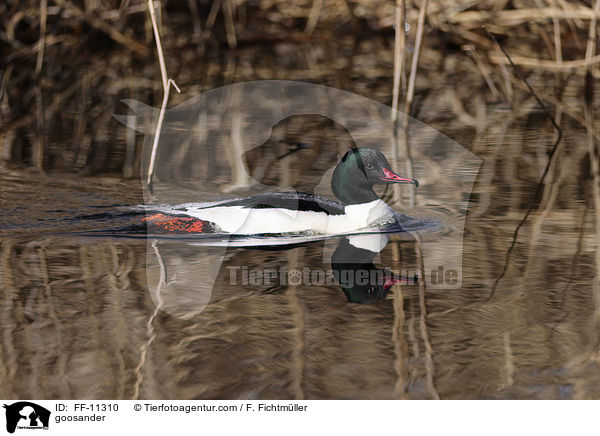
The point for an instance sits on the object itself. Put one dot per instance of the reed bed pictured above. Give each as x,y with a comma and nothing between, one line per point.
65,65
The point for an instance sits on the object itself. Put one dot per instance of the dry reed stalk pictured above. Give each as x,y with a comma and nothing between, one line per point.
541,29
410,94
557,37
591,44
542,64
123,10
150,331
550,191
42,40
483,70
573,24
167,82
82,118
40,143
558,73
130,150
210,20
235,150
465,34
313,16
352,16
30,50
229,23
399,51
458,108
415,59
513,17
196,23
545,38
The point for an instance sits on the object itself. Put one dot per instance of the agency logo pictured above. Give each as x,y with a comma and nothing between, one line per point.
26,415
233,139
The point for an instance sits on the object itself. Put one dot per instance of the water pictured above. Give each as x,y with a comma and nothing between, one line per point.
78,305
78,317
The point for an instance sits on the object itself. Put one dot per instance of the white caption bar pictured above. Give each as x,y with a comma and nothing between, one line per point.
41,417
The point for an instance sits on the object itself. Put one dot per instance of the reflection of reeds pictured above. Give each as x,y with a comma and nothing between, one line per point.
142,366
61,373
540,183
297,331
297,341
401,149
398,336
429,368
595,170
8,351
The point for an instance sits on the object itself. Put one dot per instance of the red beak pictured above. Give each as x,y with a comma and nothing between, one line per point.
394,280
392,177
389,283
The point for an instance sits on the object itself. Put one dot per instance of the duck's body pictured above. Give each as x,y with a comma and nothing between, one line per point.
292,212
286,212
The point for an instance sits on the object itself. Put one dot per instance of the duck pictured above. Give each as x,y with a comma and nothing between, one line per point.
352,182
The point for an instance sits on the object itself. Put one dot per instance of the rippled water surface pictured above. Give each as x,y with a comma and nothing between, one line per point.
79,316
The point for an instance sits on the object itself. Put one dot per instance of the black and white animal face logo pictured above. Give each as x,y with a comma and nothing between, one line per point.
26,415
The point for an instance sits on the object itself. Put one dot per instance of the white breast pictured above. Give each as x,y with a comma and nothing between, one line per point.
358,216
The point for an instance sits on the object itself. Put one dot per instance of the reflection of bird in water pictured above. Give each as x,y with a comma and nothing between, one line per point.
361,281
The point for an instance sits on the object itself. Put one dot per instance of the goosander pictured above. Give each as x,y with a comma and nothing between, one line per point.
291,212
359,278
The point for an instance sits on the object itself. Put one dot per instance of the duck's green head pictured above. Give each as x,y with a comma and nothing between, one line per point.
358,171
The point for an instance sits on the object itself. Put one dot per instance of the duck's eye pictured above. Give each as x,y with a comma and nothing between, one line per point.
369,166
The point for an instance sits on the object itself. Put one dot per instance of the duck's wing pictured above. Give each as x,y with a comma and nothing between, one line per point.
297,201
